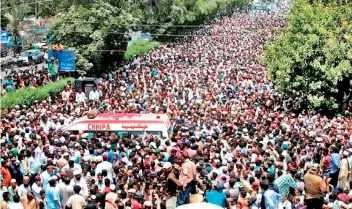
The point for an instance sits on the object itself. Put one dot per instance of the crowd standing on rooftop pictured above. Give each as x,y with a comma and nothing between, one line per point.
235,142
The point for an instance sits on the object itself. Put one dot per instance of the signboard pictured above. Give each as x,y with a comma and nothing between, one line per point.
66,59
4,36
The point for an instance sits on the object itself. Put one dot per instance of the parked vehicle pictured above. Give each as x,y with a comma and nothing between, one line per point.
32,56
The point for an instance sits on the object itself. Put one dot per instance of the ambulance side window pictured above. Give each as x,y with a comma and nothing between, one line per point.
154,132
135,134
122,133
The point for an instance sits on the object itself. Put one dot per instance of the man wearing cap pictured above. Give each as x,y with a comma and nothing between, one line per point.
216,196
13,189
106,165
78,180
111,198
172,185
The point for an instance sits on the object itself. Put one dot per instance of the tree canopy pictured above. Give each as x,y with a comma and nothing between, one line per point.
98,30
311,61
95,32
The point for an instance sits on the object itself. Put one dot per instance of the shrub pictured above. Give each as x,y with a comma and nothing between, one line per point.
27,96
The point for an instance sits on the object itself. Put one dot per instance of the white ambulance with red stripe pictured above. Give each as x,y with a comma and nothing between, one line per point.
124,124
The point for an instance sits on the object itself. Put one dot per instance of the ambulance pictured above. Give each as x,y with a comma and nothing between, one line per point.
124,124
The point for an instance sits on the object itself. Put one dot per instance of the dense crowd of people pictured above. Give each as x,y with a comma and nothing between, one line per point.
16,79
31,76
235,141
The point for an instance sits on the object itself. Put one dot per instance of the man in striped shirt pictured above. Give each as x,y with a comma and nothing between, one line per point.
285,181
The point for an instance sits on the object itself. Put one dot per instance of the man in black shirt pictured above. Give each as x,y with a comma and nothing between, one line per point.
171,185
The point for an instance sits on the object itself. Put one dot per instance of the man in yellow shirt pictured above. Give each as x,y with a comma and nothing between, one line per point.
29,201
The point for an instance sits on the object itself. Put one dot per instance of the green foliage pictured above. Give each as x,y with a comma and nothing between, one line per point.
93,31
94,28
27,96
312,60
140,47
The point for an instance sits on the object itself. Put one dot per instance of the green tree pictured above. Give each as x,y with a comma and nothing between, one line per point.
95,28
14,13
311,60
95,32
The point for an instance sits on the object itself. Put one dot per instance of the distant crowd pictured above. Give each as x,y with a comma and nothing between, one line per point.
235,142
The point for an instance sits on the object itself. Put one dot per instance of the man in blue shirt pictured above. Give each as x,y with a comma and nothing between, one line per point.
335,161
52,196
217,196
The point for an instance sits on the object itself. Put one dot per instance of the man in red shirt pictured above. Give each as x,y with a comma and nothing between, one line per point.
5,172
326,162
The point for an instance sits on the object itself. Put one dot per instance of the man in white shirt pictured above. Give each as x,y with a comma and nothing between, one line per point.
15,204
39,152
73,166
105,165
81,182
46,124
25,187
80,96
94,94
37,187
